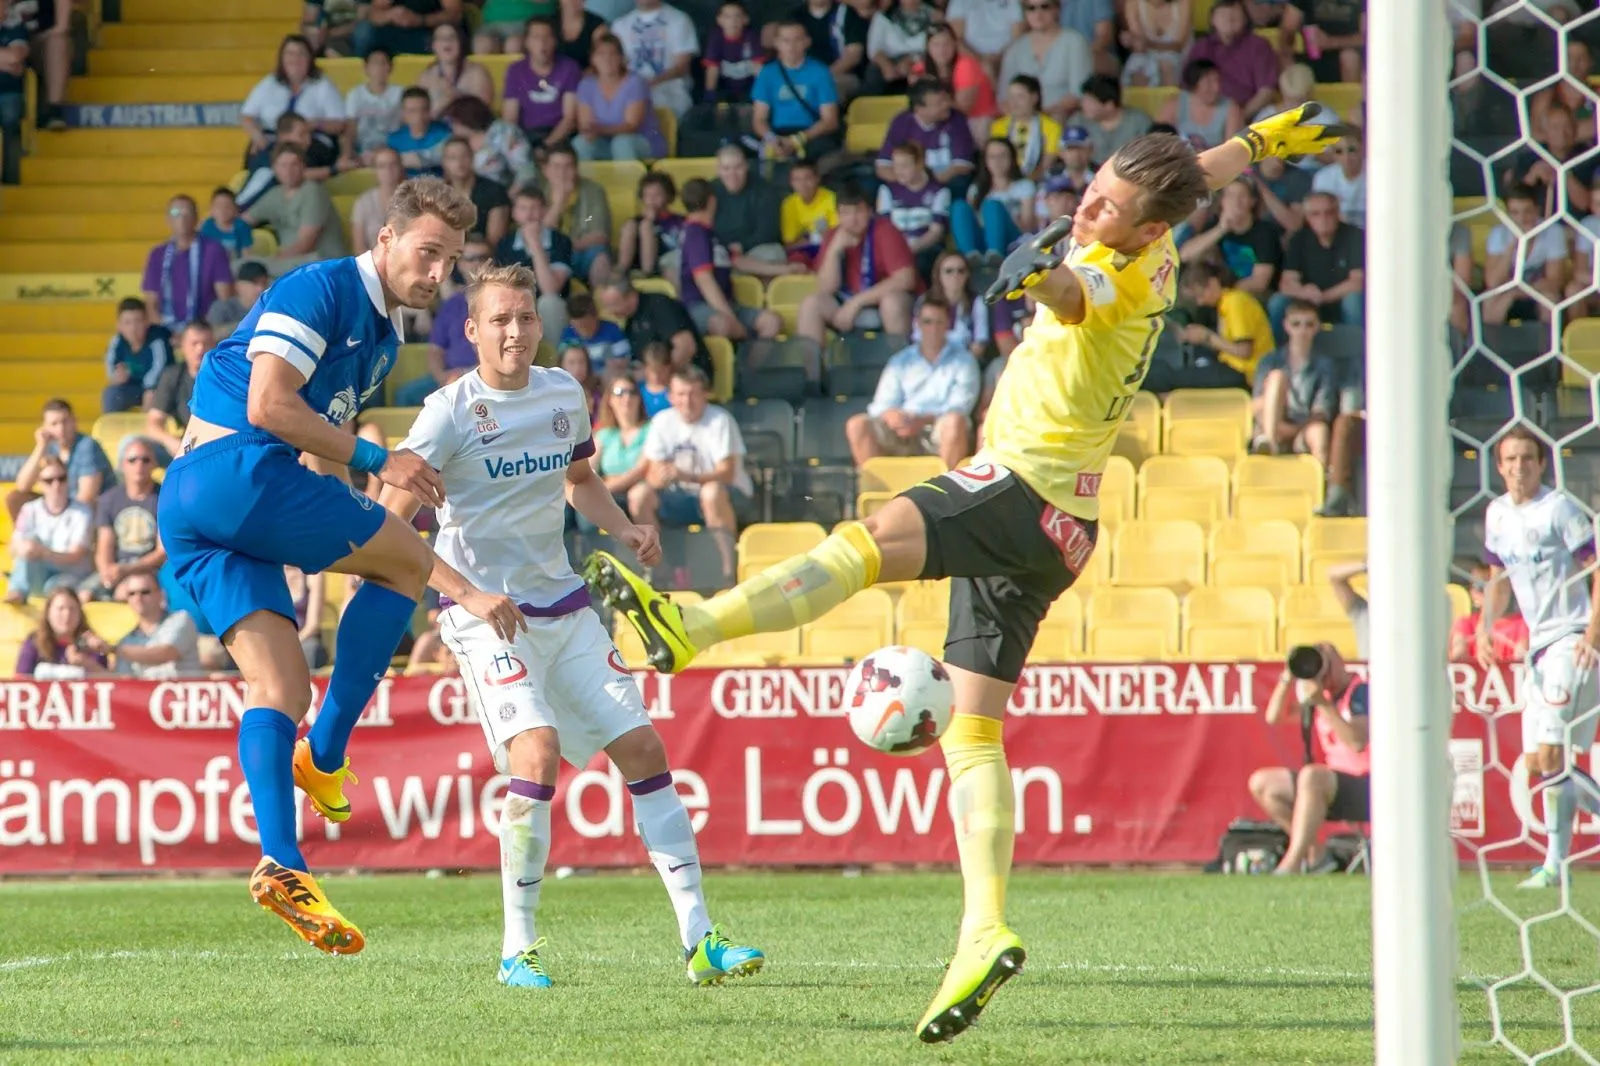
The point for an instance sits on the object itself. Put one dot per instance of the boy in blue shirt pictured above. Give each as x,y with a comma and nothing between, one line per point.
420,141
225,226
608,347
135,358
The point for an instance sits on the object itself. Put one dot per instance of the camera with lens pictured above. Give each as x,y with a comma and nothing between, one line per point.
1305,662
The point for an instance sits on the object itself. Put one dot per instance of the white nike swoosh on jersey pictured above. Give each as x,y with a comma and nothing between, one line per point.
351,343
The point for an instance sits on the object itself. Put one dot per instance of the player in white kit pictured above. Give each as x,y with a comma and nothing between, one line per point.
512,443
1541,542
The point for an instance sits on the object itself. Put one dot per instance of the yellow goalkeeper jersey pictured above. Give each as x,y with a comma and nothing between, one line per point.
1068,386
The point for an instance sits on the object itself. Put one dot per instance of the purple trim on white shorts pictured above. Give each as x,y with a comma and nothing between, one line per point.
571,603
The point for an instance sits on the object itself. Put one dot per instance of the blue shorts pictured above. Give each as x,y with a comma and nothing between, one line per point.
236,511
679,508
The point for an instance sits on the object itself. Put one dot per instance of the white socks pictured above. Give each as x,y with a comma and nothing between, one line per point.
524,847
664,827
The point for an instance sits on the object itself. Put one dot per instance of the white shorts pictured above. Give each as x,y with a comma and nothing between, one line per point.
1560,707
563,673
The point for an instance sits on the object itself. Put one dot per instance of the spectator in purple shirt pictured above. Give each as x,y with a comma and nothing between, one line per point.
183,277
943,132
1248,65
918,206
616,117
63,646
733,56
705,282
541,88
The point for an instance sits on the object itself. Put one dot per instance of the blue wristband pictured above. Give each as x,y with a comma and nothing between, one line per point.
368,457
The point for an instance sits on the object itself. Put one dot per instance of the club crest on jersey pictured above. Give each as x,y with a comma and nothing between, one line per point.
343,407
561,425
505,669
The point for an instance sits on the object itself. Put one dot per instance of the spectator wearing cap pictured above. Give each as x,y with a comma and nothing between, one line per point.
299,213
608,347
224,225
653,318
925,396
943,133
733,56
1110,125
1057,199
541,91
372,108
162,643
126,542
13,62
1076,163
51,544
1325,264
807,213
420,139
247,289
403,27
1246,244
999,208
918,206
296,86
184,276
705,282
1246,62
660,44
866,275
170,400
1036,136
135,358
749,209
796,100
1057,56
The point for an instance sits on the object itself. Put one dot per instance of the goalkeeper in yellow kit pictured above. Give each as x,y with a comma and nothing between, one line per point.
1015,528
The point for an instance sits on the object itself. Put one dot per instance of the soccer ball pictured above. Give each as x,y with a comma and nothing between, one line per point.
899,700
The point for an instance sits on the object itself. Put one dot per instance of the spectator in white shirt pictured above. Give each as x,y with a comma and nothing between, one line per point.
54,537
372,109
695,473
987,27
1546,265
925,397
1346,180
660,44
296,85
161,643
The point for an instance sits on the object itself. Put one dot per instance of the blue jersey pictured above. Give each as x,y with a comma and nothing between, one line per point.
328,320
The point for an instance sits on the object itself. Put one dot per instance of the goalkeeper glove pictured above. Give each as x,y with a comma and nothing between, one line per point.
1032,260
1299,131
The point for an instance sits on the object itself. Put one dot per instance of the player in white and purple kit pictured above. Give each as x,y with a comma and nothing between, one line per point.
512,443
1542,543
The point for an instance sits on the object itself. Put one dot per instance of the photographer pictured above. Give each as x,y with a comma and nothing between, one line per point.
1333,703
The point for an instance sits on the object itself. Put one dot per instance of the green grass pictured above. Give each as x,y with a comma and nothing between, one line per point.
1122,968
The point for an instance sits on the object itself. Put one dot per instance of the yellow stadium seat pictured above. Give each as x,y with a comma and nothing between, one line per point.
748,291
1203,506
1226,611
1098,572
895,473
352,182
669,129
1205,436
393,421
1336,535
859,626
1231,404
1152,608
1460,601
664,286
1198,475
1310,603
1060,637
1580,343
682,170
110,620
1265,505
765,543
1272,535
1129,643
1150,99
15,624
763,647
9,650
1340,633
924,635
923,601
109,430
875,109
1318,563
1344,97
1220,642
1298,472
1139,437
1118,490
723,372
865,138
1160,553
788,290
1262,569
870,503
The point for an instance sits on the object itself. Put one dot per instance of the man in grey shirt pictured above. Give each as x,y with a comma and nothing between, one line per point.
1110,125
162,644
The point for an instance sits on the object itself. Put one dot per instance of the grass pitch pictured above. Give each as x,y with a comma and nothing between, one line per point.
1122,968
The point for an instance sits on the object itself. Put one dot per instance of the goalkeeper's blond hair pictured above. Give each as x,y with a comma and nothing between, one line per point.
1167,170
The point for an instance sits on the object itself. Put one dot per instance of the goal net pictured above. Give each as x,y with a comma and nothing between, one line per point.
1522,239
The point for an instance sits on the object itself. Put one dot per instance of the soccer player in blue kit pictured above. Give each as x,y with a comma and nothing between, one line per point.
237,506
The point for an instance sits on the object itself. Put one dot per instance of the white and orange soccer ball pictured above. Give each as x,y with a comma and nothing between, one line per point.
899,700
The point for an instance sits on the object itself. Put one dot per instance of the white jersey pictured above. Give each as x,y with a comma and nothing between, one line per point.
504,459
1544,546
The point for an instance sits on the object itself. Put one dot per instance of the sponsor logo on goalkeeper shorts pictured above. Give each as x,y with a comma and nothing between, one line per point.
1070,536
978,476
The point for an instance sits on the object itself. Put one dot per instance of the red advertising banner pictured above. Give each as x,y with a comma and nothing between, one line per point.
1136,763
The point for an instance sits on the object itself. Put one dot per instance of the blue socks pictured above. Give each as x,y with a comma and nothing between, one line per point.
266,756
374,621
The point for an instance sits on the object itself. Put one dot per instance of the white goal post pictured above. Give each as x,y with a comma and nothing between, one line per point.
1408,474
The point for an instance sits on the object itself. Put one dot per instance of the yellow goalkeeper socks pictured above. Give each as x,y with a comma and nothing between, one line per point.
982,806
791,593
